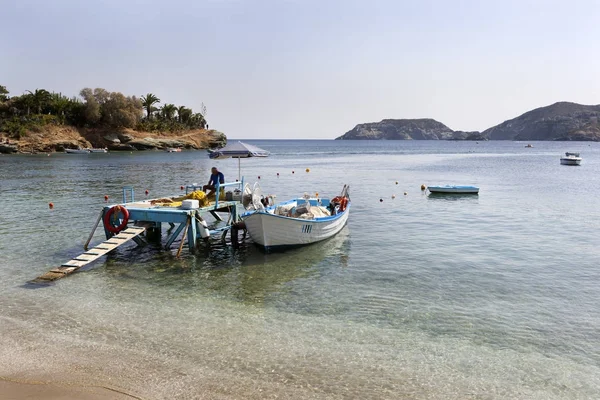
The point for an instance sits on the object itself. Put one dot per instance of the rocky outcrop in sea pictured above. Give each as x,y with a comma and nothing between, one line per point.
400,129
559,121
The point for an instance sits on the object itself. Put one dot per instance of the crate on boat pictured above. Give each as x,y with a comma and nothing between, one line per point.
190,204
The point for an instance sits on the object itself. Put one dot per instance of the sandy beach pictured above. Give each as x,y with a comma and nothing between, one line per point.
11,390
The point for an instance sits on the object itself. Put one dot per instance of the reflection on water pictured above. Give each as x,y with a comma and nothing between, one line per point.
453,196
244,274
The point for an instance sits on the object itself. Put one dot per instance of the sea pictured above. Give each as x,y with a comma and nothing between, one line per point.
489,296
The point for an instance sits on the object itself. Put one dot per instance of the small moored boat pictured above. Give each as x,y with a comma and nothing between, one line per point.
454,189
570,159
77,151
93,150
296,222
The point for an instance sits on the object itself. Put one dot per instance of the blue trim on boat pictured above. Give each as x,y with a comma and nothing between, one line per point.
453,187
321,219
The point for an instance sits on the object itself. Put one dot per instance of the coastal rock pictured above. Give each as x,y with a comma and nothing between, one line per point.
216,139
124,137
8,148
473,135
143,144
112,138
121,147
400,129
61,137
559,121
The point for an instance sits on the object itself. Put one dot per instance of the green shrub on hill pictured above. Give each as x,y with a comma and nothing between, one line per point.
94,108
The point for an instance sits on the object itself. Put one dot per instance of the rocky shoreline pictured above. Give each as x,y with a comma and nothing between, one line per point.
60,138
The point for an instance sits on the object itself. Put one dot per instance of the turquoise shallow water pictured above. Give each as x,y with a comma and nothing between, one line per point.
489,296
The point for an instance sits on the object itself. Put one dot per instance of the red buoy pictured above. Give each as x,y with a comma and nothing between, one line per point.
259,177
105,197
51,205
292,172
181,187
147,192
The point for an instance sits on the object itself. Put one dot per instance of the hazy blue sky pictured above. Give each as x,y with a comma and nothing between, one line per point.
311,69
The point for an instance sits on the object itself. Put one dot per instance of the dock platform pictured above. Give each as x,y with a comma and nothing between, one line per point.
129,219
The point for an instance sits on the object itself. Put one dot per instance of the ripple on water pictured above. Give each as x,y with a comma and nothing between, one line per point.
489,296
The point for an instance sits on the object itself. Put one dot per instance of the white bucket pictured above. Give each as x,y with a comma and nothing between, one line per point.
190,204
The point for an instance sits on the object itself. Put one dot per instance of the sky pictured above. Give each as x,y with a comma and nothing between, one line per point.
308,69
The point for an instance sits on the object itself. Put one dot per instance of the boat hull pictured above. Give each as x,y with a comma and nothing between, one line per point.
570,161
274,232
454,189
75,151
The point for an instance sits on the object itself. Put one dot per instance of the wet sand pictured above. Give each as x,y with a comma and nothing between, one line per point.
10,390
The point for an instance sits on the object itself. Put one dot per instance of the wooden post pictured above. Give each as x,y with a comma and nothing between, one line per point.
85,246
174,236
185,232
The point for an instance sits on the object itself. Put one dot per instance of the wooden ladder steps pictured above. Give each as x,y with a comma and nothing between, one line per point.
91,255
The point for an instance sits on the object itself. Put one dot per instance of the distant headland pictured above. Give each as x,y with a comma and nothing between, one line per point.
43,121
559,121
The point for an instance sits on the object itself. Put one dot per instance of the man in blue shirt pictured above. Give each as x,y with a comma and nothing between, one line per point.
215,177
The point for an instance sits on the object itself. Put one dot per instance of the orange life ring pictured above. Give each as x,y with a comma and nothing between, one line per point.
342,201
113,213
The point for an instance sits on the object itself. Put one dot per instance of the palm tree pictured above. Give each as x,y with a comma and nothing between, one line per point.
3,93
40,98
60,105
168,111
148,102
183,114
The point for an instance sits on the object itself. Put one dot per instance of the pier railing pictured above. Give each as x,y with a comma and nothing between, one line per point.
218,188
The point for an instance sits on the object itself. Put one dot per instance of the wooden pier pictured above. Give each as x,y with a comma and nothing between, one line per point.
91,255
147,216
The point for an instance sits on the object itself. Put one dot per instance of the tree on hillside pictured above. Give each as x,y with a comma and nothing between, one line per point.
111,109
3,93
197,121
62,106
39,99
120,111
91,110
183,114
148,102
168,111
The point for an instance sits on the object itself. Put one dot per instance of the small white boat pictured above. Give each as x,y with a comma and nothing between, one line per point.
172,150
453,189
77,151
570,159
296,222
97,150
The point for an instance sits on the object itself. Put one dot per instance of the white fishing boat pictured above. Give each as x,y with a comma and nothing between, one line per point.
173,150
453,189
296,222
77,151
570,159
93,150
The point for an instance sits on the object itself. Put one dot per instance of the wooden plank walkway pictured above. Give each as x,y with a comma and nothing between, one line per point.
91,255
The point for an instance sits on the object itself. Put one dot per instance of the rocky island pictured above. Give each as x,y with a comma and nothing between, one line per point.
559,121
41,121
